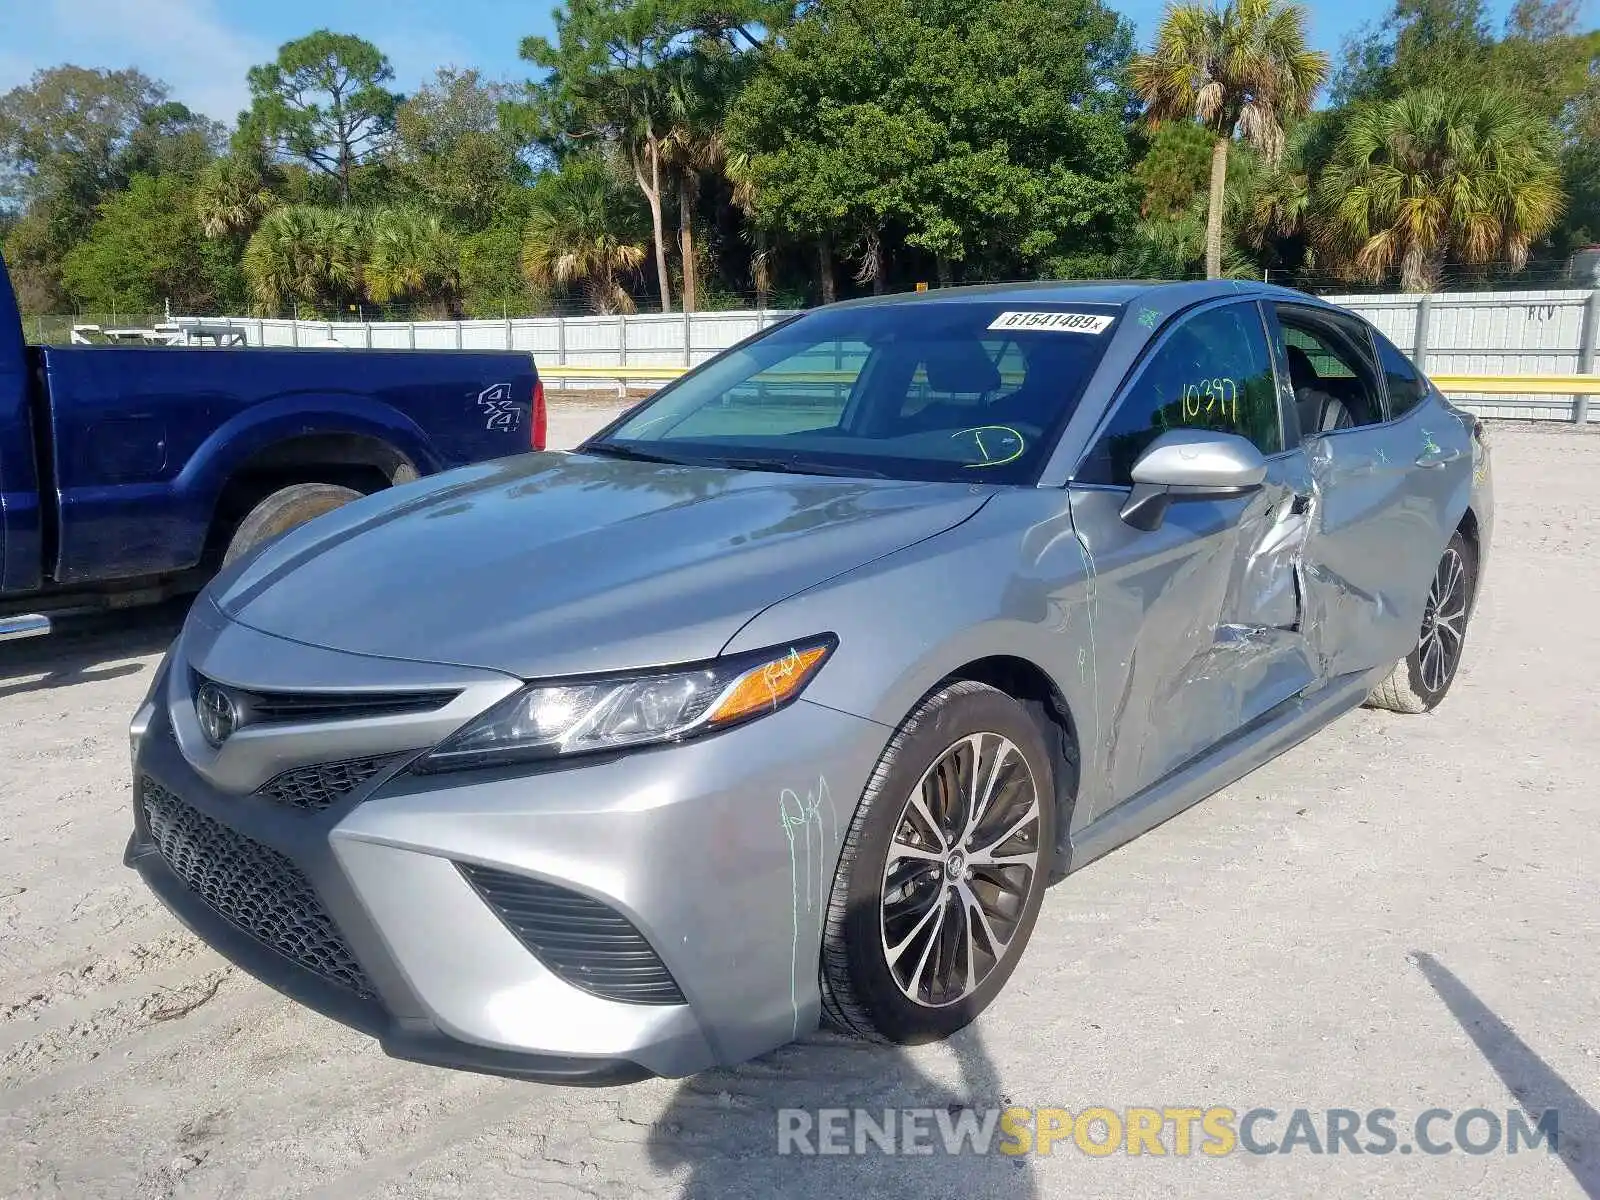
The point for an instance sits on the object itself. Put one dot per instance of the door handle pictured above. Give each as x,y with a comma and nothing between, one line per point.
1438,458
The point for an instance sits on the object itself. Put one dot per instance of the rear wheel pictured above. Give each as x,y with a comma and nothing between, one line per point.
1421,679
943,869
282,511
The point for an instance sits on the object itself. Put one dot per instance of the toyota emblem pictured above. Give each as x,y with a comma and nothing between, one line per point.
217,713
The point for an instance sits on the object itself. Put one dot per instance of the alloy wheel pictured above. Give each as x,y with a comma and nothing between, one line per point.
1444,622
961,865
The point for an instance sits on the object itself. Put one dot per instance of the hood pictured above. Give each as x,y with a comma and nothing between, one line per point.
555,564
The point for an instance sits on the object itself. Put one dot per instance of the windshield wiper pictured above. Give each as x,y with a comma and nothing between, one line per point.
614,450
795,466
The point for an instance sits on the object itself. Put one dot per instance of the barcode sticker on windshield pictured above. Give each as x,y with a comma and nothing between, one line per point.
1054,322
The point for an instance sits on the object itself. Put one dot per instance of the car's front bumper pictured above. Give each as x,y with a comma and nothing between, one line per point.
719,853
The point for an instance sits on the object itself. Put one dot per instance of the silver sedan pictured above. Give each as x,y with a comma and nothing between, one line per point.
785,696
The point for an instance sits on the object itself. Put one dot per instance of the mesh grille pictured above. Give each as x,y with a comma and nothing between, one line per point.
315,788
251,886
586,943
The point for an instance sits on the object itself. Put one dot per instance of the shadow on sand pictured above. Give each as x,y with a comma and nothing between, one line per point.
723,1126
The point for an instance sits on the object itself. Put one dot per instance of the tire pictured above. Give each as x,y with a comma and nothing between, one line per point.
282,511
1422,678
861,991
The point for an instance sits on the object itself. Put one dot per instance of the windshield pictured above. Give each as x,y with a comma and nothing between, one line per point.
936,391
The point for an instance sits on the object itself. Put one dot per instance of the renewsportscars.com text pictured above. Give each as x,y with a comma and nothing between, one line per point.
1179,1131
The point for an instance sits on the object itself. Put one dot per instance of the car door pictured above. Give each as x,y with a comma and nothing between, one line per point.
1389,470
1196,622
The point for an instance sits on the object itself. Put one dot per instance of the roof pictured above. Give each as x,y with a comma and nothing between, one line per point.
1089,291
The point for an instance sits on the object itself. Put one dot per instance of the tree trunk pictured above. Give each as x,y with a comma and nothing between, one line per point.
825,269
875,265
1219,183
941,267
762,269
652,193
686,239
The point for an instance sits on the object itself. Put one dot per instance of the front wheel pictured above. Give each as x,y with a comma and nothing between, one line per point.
942,871
1421,679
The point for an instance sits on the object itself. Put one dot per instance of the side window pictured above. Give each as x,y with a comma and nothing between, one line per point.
1330,366
807,390
1406,388
1213,372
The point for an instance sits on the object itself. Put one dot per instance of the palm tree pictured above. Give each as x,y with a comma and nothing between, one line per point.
1433,176
232,197
1243,68
582,232
738,170
301,254
412,256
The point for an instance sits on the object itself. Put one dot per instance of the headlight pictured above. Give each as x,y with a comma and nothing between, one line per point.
585,715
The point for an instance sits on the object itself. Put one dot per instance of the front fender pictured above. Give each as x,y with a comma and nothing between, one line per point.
1012,581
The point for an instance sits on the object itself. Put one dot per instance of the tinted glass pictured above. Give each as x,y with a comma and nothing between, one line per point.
936,390
1213,372
1331,369
1405,385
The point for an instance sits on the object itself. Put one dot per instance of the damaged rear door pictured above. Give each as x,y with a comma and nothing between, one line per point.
1381,481
1198,623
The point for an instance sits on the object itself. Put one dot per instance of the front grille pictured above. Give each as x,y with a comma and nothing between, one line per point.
586,943
254,888
262,707
321,785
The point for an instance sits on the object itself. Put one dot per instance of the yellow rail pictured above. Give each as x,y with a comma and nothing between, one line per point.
1502,385
1520,385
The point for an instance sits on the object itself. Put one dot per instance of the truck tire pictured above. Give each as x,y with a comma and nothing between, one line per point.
282,511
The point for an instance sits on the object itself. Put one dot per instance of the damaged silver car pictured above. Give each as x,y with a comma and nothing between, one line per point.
788,694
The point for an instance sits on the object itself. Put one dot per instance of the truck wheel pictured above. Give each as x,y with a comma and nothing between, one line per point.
282,511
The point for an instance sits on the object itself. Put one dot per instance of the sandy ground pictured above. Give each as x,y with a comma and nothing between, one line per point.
1402,913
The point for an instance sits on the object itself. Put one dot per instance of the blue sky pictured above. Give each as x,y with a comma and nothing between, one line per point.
202,48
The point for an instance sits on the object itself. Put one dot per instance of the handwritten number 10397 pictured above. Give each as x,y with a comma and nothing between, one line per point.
1216,398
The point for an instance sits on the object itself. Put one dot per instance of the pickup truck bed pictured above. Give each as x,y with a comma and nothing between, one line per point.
126,472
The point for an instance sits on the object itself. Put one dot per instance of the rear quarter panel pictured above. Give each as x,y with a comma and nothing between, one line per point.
144,440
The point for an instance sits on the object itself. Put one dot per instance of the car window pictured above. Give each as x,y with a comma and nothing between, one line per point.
1213,371
938,390
806,391
1331,369
1405,384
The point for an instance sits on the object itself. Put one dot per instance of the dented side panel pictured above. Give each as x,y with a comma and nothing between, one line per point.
1194,629
1387,498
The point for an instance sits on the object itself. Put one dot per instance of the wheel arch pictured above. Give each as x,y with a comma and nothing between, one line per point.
359,461
1029,684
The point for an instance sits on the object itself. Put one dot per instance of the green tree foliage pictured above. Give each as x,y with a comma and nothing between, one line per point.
583,234
323,101
605,83
143,251
307,260
1174,169
979,132
1434,177
411,256
70,138
450,154
1240,69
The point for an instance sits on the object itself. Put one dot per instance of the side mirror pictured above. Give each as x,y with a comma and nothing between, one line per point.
1191,464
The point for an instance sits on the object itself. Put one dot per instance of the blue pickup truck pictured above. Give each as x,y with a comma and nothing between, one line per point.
129,474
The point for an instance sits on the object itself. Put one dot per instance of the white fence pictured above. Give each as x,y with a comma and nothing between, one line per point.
1495,333
639,340
1463,333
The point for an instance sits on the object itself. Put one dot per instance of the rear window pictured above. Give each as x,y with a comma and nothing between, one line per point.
934,390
